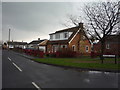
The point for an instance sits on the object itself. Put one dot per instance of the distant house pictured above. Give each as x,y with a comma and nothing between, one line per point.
112,45
72,38
43,45
35,43
15,44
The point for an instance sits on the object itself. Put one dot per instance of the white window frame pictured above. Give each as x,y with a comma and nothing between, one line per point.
57,36
66,34
74,47
55,47
107,46
51,37
83,37
87,48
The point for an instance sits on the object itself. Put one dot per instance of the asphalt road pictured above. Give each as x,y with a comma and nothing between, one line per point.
0,68
20,72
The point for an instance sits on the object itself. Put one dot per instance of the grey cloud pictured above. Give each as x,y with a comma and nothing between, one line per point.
31,16
27,18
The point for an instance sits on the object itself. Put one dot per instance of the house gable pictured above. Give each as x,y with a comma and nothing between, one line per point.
80,41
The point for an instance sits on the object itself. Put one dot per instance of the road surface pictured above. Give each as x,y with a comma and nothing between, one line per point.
20,72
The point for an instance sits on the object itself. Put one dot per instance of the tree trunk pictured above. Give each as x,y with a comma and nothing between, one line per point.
102,49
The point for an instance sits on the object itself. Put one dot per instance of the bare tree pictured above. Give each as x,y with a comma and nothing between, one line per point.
103,18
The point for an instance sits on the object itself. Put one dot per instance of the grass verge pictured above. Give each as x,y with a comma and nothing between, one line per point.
76,62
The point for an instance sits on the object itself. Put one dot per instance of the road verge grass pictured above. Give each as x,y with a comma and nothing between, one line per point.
71,62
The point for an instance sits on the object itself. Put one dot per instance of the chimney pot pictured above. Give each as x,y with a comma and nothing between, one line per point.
39,39
81,24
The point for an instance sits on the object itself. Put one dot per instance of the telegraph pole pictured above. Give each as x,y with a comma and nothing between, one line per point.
8,39
9,35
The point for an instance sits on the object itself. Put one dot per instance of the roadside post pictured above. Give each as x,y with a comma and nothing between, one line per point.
111,56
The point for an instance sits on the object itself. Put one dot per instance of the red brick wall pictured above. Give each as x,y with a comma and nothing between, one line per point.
80,44
75,42
114,48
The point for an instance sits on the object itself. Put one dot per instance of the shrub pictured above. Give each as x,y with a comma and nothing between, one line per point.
52,55
66,53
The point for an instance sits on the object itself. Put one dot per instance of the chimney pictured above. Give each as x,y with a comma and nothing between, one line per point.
39,39
81,24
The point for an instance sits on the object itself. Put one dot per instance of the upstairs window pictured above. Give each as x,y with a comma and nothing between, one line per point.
83,37
57,36
51,36
66,35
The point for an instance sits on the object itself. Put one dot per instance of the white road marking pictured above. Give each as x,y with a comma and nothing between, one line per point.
34,84
9,59
17,67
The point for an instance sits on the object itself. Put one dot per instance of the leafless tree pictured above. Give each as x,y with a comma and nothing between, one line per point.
103,19
72,20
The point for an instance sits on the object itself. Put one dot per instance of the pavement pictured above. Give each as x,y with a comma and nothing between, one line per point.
21,72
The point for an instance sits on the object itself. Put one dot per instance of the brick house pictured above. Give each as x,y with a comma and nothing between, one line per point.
112,45
73,38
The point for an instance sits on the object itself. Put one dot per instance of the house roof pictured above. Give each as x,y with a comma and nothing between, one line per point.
74,30
17,43
67,30
43,43
36,41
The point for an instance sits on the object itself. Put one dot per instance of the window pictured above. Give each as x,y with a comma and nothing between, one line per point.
55,48
65,35
57,36
83,37
86,48
107,46
51,36
73,47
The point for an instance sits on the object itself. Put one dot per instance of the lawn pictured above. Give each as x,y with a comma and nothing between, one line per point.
84,62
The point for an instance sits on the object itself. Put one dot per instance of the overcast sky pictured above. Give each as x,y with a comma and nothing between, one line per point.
31,20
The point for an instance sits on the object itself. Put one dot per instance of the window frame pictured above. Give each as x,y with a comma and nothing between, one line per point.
65,34
87,48
57,36
107,46
51,37
74,47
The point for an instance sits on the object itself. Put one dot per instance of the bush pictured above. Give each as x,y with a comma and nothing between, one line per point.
66,53
52,55
95,54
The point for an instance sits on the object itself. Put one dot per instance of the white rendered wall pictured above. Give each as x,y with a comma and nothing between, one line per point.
61,36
